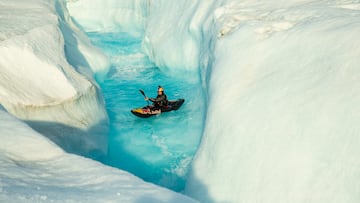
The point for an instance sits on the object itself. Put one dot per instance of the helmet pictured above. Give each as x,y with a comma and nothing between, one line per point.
160,89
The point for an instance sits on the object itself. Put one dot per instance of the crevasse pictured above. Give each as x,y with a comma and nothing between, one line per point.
282,120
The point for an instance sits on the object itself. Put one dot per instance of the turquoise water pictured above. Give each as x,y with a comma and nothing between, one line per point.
158,149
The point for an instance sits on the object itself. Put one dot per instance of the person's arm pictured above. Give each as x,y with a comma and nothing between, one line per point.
152,99
157,99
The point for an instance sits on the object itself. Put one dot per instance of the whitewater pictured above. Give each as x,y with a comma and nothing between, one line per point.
278,79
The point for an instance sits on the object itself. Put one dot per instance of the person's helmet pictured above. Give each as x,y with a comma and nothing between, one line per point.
160,89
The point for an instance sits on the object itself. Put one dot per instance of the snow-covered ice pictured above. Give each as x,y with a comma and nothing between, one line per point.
37,82
281,78
284,89
47,71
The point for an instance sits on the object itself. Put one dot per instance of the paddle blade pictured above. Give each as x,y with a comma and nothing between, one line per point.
142,92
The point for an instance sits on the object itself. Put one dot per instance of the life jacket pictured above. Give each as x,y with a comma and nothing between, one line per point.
163,100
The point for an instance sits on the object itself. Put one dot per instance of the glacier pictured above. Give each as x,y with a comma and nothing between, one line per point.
281,86
280,79
48,70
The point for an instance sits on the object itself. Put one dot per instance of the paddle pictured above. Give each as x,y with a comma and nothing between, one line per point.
143,93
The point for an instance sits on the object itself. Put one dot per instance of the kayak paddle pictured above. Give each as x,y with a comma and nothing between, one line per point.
143,93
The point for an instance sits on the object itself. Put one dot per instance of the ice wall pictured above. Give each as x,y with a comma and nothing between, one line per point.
175,34
178,34
110,15
283,114
37,83
34,169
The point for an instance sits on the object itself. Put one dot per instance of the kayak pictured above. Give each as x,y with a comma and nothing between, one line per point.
150,110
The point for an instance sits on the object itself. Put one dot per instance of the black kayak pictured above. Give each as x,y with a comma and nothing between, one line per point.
147,111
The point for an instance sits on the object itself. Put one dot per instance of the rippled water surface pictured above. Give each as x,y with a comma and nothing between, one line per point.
158,149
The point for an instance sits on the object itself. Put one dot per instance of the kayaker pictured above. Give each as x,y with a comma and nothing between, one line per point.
160,100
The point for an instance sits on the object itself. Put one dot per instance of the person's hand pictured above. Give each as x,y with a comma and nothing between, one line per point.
146,98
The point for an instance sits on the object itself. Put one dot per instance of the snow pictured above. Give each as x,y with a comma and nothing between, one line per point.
281,80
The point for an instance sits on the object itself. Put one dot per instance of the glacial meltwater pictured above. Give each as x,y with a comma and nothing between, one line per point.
158,149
